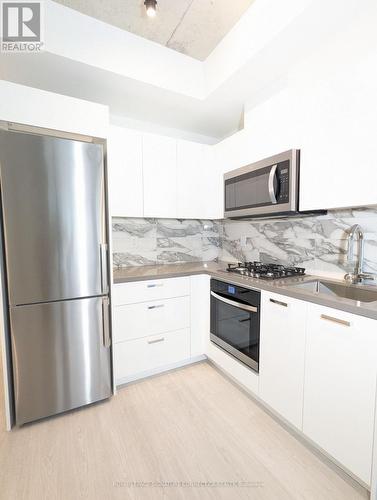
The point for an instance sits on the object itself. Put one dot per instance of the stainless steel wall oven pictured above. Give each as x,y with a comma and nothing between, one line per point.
235,321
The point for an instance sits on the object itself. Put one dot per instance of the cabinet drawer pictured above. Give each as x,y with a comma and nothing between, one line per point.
143,291
140,355
149,318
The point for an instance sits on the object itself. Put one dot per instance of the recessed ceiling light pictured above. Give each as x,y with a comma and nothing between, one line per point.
151,6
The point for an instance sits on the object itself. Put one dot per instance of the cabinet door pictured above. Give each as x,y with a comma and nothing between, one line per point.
124,153
160,176
282,353
190,163
338,146
200,313
198,182
340,386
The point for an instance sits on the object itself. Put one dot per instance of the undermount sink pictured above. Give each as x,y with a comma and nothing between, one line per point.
339,290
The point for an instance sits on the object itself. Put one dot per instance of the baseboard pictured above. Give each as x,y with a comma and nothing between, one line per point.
161,369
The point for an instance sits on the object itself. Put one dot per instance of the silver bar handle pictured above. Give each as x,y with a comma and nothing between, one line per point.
335,320
104,277
156,341
155,285
271,189
106,321
279,303
244,307
156,307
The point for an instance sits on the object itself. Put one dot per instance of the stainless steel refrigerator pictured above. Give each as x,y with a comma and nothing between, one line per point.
54,230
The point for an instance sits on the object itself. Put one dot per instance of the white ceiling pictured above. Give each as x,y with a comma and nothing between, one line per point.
192,27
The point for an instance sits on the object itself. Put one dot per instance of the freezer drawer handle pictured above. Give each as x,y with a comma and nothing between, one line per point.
105,284
279,303
335,320
156,341
106,322
154,285
156,307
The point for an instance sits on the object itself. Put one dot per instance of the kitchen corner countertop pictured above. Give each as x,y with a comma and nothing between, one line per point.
281,286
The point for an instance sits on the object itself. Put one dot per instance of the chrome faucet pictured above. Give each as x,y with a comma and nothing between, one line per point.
357,276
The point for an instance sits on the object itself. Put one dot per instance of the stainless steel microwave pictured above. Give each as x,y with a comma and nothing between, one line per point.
266,188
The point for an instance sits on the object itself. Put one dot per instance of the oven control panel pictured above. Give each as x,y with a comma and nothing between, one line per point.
237,293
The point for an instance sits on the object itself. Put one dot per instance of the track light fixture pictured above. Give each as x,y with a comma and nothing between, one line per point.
151,6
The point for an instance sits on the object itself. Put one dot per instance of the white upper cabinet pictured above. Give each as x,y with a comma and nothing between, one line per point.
160,176
282,355
157,176
125,167
190,164
339,148
198,182
340,386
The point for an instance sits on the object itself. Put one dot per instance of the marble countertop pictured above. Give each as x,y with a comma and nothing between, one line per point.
284,286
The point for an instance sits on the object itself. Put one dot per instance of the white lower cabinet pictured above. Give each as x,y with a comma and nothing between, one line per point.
158,324
135,357
340,386
199,313
282,355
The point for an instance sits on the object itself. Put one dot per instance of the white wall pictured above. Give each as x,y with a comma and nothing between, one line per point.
260,24
29,106
153,128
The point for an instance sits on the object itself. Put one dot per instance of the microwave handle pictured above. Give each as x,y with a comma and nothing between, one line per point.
271,188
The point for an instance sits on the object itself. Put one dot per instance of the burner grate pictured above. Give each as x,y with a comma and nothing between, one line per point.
265,271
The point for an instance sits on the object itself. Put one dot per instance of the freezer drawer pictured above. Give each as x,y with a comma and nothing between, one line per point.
61,357
53,210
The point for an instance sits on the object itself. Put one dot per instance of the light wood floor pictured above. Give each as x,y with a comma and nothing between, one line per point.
190,425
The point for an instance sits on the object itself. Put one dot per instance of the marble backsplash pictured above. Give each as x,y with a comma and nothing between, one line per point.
317,243
141,242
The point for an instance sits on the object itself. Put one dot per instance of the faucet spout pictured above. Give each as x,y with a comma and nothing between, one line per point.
356,234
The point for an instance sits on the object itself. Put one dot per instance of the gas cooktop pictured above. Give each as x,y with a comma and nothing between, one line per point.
265,271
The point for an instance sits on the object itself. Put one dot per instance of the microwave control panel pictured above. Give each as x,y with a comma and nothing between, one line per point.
283,182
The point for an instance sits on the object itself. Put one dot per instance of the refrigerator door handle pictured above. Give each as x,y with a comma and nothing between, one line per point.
106,322
104,277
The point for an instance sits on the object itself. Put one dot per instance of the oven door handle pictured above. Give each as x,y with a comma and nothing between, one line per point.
271,188
244,307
